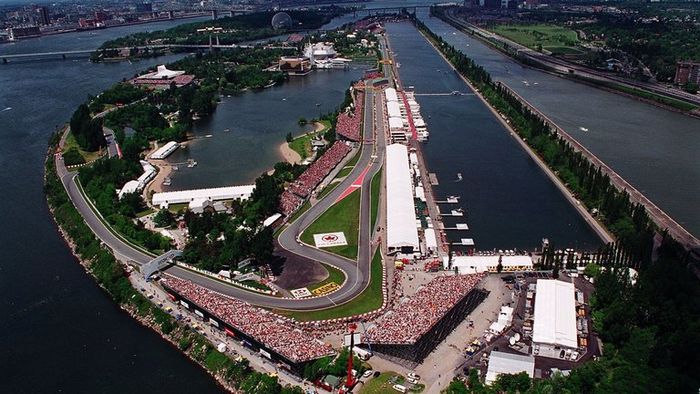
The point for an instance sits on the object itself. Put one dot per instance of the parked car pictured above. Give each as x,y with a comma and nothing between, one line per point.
367,373
412,375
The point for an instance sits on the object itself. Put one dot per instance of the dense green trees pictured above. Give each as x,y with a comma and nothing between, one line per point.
120,93
86,130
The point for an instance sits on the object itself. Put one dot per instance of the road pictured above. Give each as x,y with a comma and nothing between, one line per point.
566,68
357,273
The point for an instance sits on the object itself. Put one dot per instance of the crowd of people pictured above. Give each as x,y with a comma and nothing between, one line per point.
273,331
289,202
319,169
415,316
349,124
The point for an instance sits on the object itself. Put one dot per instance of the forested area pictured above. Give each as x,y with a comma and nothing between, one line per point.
86,130
650,329
219,240
118,94
236,29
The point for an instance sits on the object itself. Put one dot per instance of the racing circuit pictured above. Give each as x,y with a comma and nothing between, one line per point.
357,274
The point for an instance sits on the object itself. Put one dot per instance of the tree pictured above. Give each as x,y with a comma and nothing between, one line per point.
302,121
289,137
164,218
691,87
499,267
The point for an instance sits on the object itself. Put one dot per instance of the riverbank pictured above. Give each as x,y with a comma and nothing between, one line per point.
600,230
293,156
627,89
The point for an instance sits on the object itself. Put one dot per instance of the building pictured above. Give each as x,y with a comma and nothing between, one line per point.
476,264
687,72
144,8
501,363
162,78
402,235
165,150
137,185
554,328
295,65
163,200
24,32
44,18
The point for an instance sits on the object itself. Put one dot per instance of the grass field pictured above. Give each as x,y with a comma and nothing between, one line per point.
72,143
302,144
329,188
334,275
344,172
376,187
556,39
343,216
382,383
369,300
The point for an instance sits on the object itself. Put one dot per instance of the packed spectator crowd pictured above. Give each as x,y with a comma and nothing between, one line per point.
319,169
289,202
274,332
349,124
415,316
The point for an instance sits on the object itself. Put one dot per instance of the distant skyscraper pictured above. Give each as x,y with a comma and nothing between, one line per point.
44,15
144,7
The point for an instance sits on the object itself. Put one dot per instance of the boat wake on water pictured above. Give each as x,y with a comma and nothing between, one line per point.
6,109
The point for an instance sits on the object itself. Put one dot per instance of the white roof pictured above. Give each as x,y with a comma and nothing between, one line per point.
391,95
217,193
476,264
413,157
162,72
430,239
165,150
420,192
393,109
129,187
271,219
395,123
555,313
506,363
401,213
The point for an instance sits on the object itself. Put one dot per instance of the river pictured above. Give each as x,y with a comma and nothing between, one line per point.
59,331
654,149
509,201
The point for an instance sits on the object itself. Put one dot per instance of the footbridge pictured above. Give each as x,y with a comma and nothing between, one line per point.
159,263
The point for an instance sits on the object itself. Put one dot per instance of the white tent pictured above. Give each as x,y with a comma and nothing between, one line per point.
401,213
555,314
501,363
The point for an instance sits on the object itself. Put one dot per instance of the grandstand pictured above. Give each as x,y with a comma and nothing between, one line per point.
417,325
273,336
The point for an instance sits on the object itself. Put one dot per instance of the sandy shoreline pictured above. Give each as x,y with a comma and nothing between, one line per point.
289,154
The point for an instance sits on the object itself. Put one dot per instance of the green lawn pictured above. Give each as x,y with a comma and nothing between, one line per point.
382,384
369,300
344,172
334,275
329,188
557,39
302,145
376,187
72,143
343,216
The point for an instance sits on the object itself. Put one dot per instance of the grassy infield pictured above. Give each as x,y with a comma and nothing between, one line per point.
344,217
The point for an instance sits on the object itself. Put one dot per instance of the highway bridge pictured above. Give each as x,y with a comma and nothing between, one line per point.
87,52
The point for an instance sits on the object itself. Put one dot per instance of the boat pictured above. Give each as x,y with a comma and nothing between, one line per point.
191,163
227,130
459,176
167,181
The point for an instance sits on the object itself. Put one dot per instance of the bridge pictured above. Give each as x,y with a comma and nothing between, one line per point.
388,10
88,52
159,263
